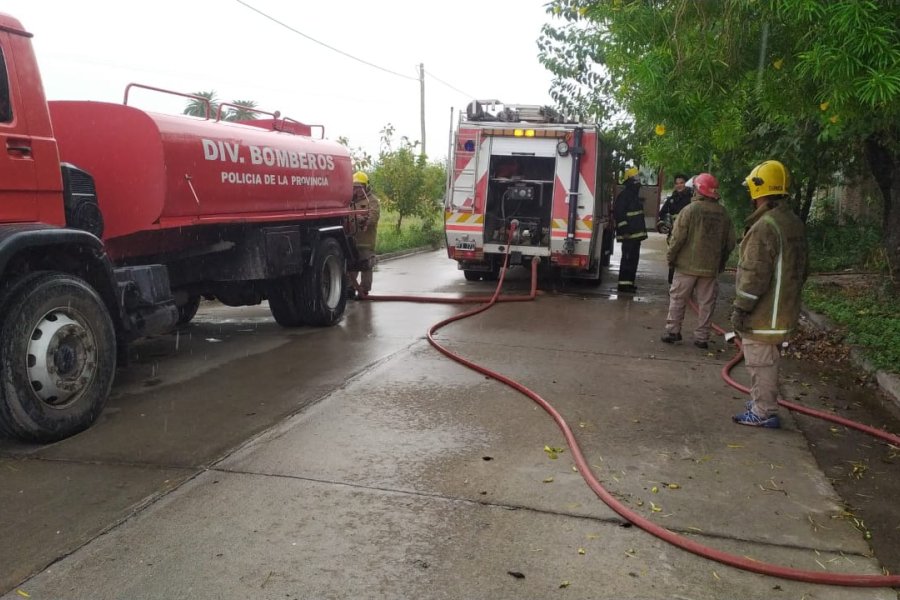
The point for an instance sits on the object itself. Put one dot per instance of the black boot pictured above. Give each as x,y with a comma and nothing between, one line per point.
671,338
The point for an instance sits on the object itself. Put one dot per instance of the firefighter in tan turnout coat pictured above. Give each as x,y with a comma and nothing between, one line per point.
702,240
365,235
771,272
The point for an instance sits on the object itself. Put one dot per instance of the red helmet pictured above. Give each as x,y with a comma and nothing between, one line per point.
707,185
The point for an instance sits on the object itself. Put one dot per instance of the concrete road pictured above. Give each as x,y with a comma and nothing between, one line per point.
240,460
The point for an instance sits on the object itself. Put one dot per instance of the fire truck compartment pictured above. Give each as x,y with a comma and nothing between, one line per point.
520,193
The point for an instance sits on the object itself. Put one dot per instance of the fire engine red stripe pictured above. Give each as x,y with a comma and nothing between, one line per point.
581,235
457,227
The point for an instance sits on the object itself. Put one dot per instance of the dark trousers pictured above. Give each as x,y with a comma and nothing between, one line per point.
631,253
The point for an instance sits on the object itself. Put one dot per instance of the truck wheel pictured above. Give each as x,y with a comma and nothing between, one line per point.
188,310
284,301
322,285
472,275
58,357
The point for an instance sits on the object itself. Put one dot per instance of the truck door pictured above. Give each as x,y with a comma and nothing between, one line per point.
18,183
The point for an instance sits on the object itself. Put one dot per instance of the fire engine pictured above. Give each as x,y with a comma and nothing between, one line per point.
524,180
115,221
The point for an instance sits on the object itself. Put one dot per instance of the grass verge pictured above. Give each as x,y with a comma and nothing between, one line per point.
415,232
869,317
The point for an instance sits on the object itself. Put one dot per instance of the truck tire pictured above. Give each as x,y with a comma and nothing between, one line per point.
322,295
284,301
57,357
472,275
188,310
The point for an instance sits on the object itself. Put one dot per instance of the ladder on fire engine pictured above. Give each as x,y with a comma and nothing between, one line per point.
465,168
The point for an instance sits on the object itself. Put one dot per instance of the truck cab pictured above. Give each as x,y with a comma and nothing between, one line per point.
32,184
114,222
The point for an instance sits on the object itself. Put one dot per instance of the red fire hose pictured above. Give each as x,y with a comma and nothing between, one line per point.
647,525
826,416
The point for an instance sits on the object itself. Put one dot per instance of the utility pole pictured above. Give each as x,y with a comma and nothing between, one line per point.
422,103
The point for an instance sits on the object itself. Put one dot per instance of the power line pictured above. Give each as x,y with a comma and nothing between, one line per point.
430,74
332,48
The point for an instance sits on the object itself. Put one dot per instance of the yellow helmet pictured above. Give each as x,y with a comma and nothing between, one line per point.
769,178
629,173
360,178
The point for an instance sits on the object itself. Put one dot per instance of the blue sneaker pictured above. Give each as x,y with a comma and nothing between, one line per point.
749,418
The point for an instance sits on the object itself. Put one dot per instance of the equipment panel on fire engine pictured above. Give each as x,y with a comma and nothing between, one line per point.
523,179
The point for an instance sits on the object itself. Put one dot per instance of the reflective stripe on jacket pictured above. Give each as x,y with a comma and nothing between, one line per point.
772,269
702,239
629,213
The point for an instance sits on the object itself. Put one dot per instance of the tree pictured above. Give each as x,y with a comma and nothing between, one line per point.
406,181
243,112
362,160
721,85
197,108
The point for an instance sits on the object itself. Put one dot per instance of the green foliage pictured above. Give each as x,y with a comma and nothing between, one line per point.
834,246
871,319
362,160
734,82
197,108
416,232
405,181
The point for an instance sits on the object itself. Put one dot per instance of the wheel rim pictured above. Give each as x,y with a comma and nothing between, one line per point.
61,358
332,281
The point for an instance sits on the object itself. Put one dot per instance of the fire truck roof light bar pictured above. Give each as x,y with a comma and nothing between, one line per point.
518,132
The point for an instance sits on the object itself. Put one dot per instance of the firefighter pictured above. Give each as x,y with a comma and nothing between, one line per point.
631,229
679,198
772,269
365,236
702,240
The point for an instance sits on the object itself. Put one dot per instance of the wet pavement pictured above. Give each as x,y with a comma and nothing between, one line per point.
240,460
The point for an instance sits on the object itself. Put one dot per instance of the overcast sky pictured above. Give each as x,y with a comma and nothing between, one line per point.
91,49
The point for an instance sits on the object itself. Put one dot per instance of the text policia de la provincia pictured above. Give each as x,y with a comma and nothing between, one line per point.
231,152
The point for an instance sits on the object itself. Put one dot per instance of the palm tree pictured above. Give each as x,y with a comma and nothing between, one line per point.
197,108
244,112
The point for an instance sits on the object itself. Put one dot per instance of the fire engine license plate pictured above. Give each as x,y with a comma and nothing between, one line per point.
465,246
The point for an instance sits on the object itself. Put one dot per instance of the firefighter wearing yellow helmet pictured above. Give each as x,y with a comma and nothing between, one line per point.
631,229
365,235
772,269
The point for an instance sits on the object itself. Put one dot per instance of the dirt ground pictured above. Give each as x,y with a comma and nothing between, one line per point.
820,373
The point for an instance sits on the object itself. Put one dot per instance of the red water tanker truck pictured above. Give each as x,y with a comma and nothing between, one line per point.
115,222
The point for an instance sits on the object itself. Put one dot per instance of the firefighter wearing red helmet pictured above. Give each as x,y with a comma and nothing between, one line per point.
702,239
631,229
365,235
772,269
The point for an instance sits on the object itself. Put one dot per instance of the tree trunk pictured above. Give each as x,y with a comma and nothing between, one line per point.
806,205
885,166
810,189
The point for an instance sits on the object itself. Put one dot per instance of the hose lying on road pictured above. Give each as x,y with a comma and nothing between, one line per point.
587,474
890,438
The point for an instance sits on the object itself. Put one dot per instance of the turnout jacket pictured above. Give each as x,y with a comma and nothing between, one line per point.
367,226
773,267
629,213
702,239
